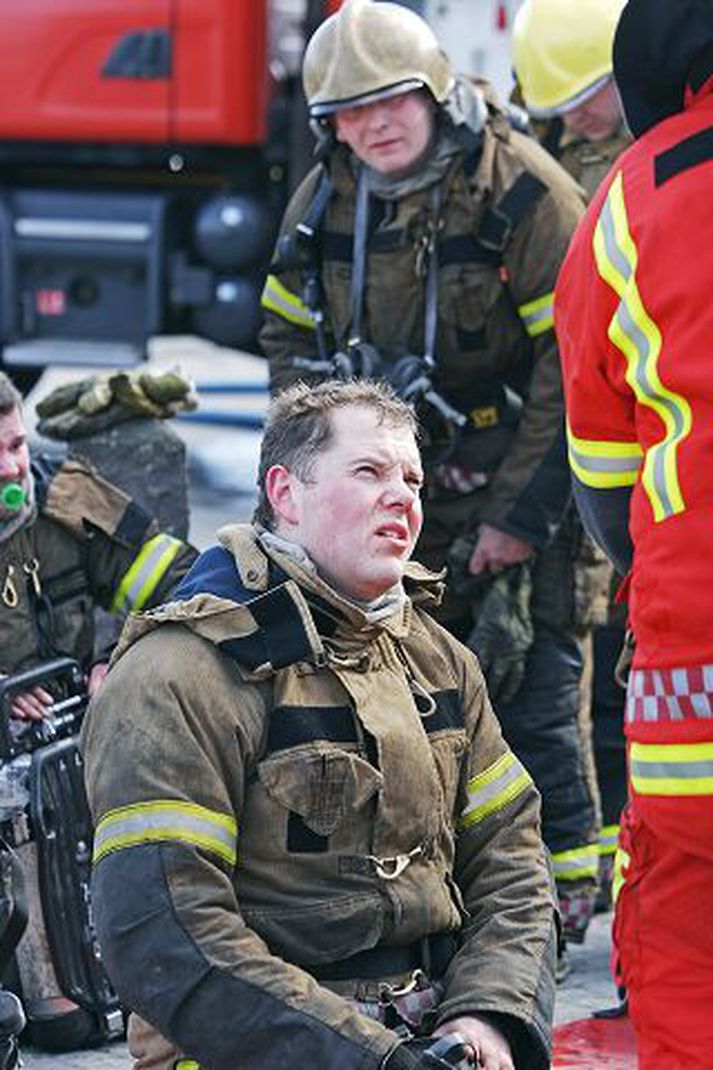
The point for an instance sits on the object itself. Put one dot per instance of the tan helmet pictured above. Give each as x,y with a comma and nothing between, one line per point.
562,51
370,51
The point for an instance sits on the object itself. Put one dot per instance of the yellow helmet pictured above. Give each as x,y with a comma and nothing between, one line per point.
562,51
369,51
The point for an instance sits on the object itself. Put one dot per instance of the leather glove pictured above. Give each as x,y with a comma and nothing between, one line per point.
429,1053
504,633
93,405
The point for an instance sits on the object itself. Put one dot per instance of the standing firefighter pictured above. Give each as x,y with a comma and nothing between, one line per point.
634,319
563,61
424,250
313,841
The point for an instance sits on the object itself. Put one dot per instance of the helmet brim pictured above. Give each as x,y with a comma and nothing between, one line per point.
321,108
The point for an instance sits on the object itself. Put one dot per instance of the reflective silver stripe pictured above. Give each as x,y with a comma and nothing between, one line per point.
167,820
637,336
494,788
145,573
579,862
644,372
621,470
538,315
278,299
671,768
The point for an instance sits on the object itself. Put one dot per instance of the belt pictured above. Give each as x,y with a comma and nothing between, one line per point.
432,954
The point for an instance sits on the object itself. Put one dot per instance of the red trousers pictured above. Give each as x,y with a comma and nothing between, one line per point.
663,929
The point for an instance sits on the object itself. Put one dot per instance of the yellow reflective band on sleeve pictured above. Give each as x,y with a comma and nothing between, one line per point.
604,464
493,789
145,573
278,299
187,1064
538,316
638,338
608,839
576,864
672,768
167,820
621,860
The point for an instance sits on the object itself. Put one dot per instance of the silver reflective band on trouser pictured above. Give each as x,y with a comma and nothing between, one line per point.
145,573
493,789
576,864
671,769
167,820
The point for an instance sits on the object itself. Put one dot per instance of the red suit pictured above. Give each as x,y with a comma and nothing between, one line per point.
634,318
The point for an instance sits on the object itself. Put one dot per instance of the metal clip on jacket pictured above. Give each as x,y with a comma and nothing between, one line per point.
392,867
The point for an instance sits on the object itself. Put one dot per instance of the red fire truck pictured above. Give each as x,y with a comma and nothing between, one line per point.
146,152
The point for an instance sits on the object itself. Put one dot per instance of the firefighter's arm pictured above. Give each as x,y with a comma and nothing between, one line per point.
169,743
604,454
504,969
530,489
131,565
288,336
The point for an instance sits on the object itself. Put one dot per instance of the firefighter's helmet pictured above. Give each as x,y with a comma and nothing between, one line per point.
369,51
562,51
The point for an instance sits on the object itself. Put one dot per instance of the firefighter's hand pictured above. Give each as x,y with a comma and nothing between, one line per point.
488,1047
495,550
504,632
96,677
32,705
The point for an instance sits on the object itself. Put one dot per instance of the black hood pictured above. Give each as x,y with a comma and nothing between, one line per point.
660,47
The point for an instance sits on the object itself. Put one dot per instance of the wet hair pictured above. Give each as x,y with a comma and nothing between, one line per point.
10,396
298,427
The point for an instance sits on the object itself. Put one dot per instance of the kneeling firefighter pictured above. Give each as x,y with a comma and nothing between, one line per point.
423,248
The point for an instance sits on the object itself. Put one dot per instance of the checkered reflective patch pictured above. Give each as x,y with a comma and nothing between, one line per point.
666,695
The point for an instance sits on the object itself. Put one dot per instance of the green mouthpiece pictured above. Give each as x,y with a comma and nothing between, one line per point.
12,496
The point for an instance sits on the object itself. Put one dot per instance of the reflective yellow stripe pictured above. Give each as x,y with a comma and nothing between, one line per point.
538,316
187,1064
493,789
278,299
604,464
636,335
145,573
621,859
672,768
608,839
577,863
167,820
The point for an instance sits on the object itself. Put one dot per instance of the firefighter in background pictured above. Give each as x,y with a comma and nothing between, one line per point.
68,541
437,234
562,57
634,321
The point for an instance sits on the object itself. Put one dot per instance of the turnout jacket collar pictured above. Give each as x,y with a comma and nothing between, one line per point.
267,612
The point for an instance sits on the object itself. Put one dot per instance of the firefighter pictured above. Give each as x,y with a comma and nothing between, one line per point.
634,322
562,57
314,832
69,541
437,234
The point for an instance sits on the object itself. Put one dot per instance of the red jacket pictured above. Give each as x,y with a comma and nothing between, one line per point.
634,318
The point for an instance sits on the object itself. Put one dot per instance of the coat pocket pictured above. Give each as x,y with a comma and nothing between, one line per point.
322,784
